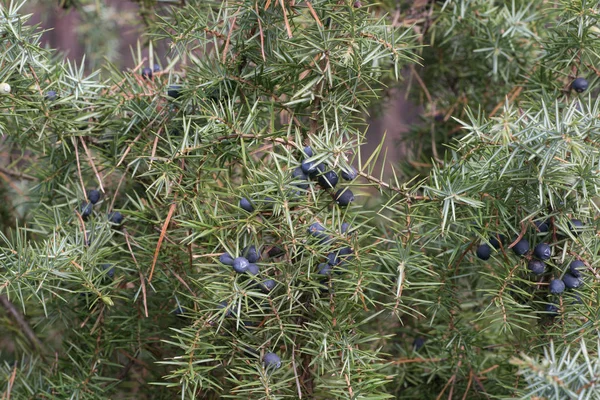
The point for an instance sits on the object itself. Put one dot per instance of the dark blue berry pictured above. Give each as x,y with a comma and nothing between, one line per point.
344,197
51,95
156,68
350,174
575,268
272,360
268,285
484,251
579,85
174,91
245,204
308,151
111,270
299,175
116,218
315,229
93,196
224,306
252,269
226,259
557,286
418,343
345,228
542,251
86,209
311,168
333,259
536,266
495,242
179,310
575,226
147,73
328,180
251,254
571,282
521,247
552,309
542,226
268,203
240,265
324,269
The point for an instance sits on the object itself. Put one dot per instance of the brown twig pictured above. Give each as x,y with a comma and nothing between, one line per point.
22,323
226,47
89,157
19,175
79,168
140,272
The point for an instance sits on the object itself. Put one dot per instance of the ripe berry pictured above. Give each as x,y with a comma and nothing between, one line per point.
575,226
345,227
579,85
311,168
268,285
324,269
251,254
574,268
240,265
252,269
308,151
298,174
245,204
484,251
272,360
179,310
315,229
333,259
495,242
223,305
116,218
542,226
174,91
328,180
521,247
542,251
147,73
418,343
349,175
51,95
571,282
86,209
557,286
226,259
111,270
156,68
268,203
93,196
344,197
552,309
536,266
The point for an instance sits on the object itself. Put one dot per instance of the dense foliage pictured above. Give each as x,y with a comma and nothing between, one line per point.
207,224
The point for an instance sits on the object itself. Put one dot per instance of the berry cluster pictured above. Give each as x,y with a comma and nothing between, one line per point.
327,179
115,217
336,259
537,259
